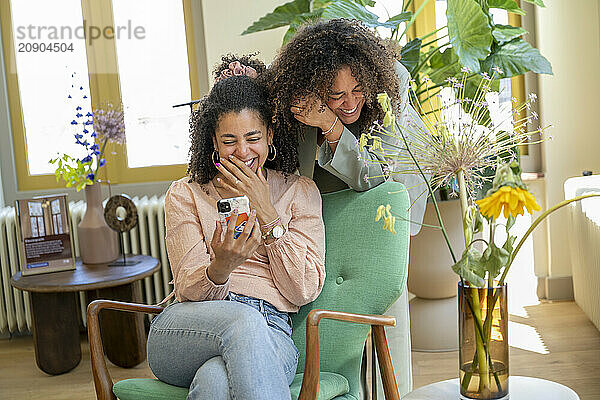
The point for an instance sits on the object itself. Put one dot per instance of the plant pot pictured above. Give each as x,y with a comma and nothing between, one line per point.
483,341
433,312
98,243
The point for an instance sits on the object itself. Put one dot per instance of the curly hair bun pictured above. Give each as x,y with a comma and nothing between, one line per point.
248,60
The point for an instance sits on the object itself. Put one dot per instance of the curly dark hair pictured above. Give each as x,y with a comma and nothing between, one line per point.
233,94
248,60
310,61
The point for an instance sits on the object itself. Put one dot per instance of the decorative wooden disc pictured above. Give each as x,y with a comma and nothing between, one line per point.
110,213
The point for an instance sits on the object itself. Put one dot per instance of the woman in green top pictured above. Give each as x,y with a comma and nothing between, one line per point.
324,85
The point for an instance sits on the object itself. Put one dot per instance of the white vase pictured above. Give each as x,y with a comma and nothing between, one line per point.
434,310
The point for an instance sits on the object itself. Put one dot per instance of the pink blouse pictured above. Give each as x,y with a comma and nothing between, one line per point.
287,273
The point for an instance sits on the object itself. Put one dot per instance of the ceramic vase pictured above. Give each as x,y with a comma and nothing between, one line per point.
98,243
483,342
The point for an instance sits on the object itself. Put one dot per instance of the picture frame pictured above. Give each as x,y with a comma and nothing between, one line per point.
44,234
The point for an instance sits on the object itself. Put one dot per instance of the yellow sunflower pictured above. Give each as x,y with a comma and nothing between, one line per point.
511,199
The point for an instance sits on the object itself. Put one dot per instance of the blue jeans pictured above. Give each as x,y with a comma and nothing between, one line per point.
238,348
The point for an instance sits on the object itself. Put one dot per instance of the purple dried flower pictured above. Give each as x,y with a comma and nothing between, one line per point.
109,123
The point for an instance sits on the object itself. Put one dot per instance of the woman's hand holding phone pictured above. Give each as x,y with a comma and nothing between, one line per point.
240,179
229,252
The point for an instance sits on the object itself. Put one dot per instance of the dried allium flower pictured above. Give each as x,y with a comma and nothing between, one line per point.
109,123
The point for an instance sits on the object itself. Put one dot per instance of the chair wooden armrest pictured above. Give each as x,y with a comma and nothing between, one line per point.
312,369
102,379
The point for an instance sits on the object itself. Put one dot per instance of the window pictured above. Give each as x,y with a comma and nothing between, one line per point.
138,54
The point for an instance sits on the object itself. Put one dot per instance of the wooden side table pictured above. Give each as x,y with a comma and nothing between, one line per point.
519,388
54,312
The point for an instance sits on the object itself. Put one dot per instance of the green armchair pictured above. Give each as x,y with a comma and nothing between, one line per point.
366,273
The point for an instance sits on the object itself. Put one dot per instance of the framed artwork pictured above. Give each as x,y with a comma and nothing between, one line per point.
44,234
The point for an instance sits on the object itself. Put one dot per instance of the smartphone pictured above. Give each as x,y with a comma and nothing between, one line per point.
226,206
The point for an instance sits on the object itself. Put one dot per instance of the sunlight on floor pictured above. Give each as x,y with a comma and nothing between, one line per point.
525,337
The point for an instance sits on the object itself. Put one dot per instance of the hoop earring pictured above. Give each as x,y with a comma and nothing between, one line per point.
215,153
274,152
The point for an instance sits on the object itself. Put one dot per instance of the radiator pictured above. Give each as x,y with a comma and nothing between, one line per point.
584,234
146,238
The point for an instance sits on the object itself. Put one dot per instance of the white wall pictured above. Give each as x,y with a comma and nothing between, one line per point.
225,21
568,34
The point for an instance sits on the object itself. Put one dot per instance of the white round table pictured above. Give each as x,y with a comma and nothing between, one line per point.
519,387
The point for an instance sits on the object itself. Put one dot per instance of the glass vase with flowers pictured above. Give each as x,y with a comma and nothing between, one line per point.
471,146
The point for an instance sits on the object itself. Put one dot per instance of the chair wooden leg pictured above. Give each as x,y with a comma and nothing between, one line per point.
386,368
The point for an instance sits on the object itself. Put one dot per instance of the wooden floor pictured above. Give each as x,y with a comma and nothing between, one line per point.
553,340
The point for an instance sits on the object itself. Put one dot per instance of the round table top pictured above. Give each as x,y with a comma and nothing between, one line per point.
519,388
87,276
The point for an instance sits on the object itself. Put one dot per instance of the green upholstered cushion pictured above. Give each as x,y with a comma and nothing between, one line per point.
148,389
330,386
366,272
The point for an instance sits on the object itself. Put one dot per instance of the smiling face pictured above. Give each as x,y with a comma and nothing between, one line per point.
346,98
244,135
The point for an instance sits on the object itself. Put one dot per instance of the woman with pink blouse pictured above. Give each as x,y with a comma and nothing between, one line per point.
228,334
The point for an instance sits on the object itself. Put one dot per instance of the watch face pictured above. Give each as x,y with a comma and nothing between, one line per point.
278,231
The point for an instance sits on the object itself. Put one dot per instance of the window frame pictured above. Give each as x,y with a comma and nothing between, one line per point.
104,88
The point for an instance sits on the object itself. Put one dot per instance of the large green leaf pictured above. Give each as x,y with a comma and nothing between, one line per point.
351,10
299,21
369,3
494,258
410,54
316,4
470,267
400,18
506,33
515,58
508,5
469,30
281,16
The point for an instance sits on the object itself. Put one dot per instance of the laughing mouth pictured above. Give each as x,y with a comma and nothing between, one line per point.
249,163
350,111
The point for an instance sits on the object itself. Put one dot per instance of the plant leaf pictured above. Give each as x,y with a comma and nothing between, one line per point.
400,18
508,5
410,54
316,4
470,33
494,258
506,33
515,58
370,3
298,21
508,245
351,10
470,268
281,16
